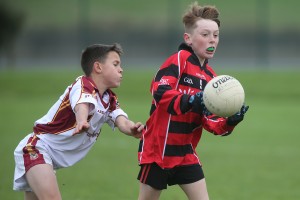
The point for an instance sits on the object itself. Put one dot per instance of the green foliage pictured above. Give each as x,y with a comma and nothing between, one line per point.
157,13
258,161
11,23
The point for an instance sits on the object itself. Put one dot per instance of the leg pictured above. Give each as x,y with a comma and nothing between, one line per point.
148,193
196,190
30,196
42,181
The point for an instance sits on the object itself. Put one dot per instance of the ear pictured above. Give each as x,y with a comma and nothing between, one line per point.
187,39
97,67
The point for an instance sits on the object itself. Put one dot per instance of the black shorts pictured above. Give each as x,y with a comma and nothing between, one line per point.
158,178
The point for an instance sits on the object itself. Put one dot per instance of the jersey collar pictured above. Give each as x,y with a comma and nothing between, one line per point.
193,58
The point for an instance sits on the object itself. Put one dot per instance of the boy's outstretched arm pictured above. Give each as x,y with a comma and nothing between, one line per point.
81,112
129,127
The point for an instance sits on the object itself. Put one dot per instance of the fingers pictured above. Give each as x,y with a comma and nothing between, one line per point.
139,127
137,130
199,94
81,127
138,135
206,111
244,109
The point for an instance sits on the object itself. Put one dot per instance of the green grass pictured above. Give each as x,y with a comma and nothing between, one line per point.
258,161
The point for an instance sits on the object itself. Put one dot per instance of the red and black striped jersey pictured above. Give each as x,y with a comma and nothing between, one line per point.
174,129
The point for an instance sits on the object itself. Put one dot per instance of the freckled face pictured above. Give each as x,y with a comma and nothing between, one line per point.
204,39
112,70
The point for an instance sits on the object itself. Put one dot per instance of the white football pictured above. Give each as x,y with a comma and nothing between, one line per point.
224,96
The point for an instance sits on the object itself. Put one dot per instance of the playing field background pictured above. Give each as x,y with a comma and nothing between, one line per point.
260,160
259,43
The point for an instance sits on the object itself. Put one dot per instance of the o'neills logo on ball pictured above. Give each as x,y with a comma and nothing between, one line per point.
221,81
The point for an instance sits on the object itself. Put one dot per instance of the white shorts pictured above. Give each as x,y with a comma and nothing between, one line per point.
29,152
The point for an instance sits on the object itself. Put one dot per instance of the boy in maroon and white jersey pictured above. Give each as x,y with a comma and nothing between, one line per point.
167,152
71,127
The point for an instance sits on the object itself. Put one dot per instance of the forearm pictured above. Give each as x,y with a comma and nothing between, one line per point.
217,125
171,100
128,127
81,112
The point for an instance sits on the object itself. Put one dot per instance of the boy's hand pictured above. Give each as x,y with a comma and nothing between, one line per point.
137,130
81,126
238,117
196,101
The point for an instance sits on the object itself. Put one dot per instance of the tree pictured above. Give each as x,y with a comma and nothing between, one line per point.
11,23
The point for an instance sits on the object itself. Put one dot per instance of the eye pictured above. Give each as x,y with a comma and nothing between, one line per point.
116,64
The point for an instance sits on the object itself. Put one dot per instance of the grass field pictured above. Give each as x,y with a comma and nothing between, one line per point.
260,160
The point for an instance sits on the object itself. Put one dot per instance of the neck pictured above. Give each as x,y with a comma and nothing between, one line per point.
201,60
99,84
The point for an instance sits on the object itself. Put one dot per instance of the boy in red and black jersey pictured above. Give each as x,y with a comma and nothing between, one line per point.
167,151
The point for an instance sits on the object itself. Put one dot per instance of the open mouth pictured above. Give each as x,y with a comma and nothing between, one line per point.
210,49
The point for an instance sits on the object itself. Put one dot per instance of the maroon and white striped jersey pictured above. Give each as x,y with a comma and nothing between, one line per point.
56,129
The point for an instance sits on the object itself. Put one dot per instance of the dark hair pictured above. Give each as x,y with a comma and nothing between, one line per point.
97,52
196,12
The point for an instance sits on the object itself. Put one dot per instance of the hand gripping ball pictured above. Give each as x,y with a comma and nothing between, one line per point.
223,96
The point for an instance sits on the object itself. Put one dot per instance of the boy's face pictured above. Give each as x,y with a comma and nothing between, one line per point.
112,70
204,38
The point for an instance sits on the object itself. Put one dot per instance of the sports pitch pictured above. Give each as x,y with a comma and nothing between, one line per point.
260,160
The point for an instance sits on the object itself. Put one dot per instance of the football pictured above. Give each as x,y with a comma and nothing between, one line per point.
223,96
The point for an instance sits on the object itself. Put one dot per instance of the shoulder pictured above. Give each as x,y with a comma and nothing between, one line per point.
182,54
184,51
87,84
177,59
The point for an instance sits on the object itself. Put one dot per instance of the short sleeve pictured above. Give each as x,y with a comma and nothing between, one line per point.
78,96
113,116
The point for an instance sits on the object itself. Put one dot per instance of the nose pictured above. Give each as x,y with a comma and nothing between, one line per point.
121,70
212,39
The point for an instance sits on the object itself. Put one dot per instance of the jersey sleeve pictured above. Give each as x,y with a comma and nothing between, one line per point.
216,125
114,110
82,92
164,87
113,116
